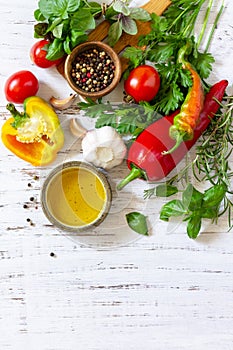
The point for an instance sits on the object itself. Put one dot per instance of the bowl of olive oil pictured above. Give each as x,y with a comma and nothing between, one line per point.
76,196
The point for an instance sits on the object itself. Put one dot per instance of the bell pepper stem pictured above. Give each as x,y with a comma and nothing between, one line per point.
135,173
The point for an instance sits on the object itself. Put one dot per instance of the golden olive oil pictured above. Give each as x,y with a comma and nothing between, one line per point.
76,197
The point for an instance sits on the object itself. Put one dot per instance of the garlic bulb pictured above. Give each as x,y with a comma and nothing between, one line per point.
102,147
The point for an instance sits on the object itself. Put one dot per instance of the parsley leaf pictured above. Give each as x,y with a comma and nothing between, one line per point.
203,63
125,118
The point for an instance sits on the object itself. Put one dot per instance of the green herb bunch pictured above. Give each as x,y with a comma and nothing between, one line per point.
127,119
66,23
168,34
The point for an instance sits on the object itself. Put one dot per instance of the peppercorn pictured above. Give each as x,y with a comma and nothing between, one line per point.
93,70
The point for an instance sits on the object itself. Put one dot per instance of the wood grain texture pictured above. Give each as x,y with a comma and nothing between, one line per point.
165,292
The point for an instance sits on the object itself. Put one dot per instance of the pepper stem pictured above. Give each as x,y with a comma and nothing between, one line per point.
135,173
19,118
179,140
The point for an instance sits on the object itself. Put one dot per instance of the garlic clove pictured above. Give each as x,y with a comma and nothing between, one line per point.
77,129
62,104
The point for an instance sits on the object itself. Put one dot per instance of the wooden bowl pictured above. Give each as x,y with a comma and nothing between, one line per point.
73,58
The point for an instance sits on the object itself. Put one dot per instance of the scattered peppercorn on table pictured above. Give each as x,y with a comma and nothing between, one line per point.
110,288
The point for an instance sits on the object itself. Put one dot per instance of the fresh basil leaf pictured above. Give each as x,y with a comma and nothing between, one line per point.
172,208
66,45
58,8
192,198
214,195
82,20
38,16
58,30
72,5
77,38
140,14
55,50
165,190
94,7
194,226
54,23
114,33
120,7
129,26
138,223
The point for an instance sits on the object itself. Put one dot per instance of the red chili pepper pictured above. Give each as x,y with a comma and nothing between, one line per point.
145,158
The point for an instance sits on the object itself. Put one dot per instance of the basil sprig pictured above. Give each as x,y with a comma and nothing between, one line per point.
195,206
66,23
123,19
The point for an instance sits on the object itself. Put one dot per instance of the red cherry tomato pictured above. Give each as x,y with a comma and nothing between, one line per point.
143,83
38,55
21,85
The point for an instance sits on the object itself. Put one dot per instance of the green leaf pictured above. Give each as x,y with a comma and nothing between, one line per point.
94,7
194,226
82,21
170,99
38,16
203,64
140,14
54,23
138,223
165,190
97,110
185,78
161,53
192,198
40,30
77,38
58,8
210,213
120,7
214,195
66,45
114,33
134,54
55,50
57,31
172,208
129,26
106,120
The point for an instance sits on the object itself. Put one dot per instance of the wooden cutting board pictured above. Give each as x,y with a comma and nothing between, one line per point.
100,33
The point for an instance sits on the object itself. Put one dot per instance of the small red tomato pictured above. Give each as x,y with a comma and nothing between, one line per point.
38,55
143,83
21,85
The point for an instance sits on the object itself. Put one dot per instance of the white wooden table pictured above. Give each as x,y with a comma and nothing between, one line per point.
162,292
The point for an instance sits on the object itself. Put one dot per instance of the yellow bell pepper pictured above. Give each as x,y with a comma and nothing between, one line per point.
34,135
